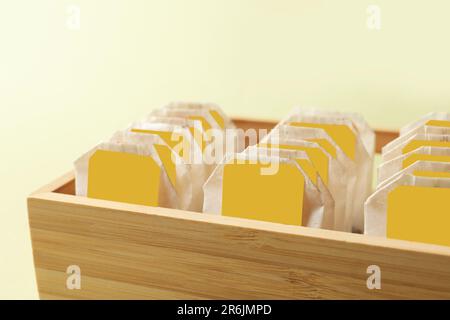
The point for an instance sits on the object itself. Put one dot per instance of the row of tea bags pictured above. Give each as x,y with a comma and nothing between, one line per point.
411,201
313,169
158,161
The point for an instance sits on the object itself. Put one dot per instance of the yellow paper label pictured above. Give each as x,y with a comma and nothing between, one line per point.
124,177
274,198
432,174
326,145
343,135
424,157
438,123
205,124
174,141
166,136
415,144
318,158
165,155
218,118
309,169
419,214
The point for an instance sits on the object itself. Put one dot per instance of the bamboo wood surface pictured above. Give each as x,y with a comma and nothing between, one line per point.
137,252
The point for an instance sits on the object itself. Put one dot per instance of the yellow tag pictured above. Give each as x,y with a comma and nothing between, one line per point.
274,198
344,137
124,177
318,158
424,157
205,124
432,174
419,214
326,145
165,155
176,142
166,136
308,168
438,123
415,144
220,121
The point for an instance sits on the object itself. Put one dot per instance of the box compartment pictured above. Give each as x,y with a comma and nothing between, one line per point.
129,251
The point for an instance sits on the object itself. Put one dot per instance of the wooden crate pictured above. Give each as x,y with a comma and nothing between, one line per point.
137,252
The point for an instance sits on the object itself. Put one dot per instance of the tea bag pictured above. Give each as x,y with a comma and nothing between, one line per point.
131,173
391,167
194,126
417,141
328,168
343,132
177,137
410,208
215,126
352,177
204,116
421,169
266,188
366,134
181,175
222,120
431,119
181,141
306,165
300,156
425,130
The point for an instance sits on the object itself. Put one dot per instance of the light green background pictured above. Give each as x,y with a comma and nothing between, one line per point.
62,91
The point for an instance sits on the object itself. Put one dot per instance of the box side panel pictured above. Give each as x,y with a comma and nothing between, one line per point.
124,255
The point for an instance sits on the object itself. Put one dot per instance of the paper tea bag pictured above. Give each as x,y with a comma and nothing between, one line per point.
267,189
204,116
329,170
411,208
181,141
195,127
131,173
343,132
421,169
432,119
352,177
391,167
306,165
300,156
426,130
366,134
213,133
226,141
222,120
189,190
177,137
417,141
178,121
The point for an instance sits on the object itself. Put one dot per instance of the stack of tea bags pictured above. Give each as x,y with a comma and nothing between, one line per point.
158,161
313,169
412,199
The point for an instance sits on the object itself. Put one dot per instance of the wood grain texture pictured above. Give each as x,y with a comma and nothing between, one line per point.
137,252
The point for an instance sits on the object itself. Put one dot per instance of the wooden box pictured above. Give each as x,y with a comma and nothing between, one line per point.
136,252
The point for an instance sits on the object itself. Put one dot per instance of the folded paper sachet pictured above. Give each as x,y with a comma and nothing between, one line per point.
411,201
175,138
269,189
